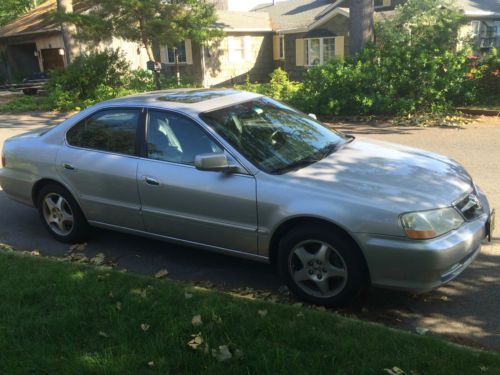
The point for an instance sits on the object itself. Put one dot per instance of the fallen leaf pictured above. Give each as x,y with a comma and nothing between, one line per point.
196,341
6,247
188,295
98,259
421,330
103,334
222,354
394,371
262,313
77,248
119,306
35,253
145,327
444,298
283,289
151,364
196,321
161,274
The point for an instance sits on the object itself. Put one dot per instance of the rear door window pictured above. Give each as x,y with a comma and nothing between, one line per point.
113,130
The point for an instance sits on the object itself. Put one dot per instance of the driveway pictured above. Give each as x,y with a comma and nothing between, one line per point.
466,310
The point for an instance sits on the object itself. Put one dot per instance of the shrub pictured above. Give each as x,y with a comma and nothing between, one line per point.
83,80
484,78
415,66
279,86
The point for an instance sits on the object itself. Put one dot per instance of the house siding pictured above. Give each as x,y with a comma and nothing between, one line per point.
220,69
337,26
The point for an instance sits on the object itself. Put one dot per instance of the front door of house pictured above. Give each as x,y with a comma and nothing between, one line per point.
52,59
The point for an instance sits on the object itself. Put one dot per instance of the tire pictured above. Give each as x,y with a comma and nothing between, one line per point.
321,266
62,218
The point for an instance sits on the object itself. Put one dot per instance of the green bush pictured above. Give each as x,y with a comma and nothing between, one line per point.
279,86
484,78
415,66
83,80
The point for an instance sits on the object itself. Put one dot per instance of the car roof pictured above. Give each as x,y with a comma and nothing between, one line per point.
194,101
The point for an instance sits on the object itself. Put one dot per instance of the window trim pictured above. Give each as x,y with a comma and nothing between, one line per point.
138,136
174,63
321,49
282,47
144,146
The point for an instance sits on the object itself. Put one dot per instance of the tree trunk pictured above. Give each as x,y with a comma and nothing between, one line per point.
360,25
68,30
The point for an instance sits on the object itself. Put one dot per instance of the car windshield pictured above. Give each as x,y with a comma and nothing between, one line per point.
272,136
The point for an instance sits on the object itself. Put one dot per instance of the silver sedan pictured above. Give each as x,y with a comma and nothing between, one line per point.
242,174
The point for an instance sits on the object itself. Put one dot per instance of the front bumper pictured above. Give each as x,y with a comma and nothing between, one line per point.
419,266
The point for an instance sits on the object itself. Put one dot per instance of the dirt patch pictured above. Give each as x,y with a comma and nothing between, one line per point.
6,97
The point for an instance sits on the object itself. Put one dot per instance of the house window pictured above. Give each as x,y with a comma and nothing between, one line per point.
181,53
319,50
282,47
497,25
382,3
238,48
476,27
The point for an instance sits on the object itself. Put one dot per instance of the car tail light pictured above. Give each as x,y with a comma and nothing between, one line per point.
4,163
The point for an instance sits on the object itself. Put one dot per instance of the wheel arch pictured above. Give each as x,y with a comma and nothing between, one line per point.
291,223
38,186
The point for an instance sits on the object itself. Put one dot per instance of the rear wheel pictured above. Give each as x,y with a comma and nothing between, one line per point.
321,266
61,215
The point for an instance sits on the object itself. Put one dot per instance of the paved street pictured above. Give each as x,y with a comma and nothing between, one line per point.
466,309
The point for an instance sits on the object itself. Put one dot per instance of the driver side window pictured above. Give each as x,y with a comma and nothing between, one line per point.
176,139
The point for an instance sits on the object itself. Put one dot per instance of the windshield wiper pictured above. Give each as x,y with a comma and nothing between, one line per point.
295,165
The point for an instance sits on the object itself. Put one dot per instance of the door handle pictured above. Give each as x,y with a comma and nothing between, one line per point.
151,181
69,167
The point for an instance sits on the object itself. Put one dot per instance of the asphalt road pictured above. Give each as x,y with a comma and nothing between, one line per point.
466,310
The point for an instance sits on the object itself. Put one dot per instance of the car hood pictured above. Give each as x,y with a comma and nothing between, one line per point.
387,173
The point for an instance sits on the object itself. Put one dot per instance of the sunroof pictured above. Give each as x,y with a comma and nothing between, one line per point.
196,96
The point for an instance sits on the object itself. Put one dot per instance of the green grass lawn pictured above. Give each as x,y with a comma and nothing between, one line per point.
62,318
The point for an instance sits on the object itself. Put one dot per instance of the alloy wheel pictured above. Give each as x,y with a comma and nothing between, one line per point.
318,268
58,214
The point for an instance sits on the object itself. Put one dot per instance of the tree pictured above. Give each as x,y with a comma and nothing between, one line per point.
361,30
11,9
147,22
68,30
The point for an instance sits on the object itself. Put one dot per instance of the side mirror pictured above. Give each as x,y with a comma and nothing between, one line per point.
215,163
312,115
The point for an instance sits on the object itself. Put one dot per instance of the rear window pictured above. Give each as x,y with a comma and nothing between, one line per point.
111,130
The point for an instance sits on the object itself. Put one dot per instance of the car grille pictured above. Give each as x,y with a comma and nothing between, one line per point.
470,205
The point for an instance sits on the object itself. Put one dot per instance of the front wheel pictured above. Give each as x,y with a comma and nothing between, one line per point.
321,266
61,215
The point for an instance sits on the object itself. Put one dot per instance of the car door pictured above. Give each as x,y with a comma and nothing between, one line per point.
182,202
99,164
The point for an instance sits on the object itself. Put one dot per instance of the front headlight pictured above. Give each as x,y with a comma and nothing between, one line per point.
424,225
